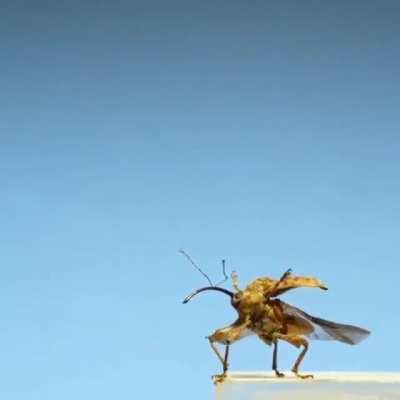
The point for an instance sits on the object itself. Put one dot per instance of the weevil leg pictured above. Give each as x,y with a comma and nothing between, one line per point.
267,339
275,361
220,358
227,335
297,341
224,360
296,365
225,365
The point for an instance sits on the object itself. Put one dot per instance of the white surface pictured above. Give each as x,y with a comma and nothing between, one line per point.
324,386
389,377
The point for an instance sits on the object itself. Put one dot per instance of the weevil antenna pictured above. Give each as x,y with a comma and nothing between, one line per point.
196,266
224,273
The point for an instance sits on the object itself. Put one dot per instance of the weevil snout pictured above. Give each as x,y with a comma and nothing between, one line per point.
216,288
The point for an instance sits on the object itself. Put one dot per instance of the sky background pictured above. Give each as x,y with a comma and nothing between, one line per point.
262,132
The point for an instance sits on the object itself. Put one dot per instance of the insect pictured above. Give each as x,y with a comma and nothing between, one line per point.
260,312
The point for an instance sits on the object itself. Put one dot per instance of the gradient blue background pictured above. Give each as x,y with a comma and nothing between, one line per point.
263,132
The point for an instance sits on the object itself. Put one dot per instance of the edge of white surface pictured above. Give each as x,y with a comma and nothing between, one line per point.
319,376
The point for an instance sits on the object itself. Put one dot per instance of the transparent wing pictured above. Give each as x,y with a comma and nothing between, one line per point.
323,329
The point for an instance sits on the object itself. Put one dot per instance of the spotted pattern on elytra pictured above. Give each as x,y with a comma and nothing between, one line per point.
271,287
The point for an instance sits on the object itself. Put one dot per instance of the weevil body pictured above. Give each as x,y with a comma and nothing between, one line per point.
260,312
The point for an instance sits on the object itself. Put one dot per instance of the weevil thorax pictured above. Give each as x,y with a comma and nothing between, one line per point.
265,286
253,305
248,302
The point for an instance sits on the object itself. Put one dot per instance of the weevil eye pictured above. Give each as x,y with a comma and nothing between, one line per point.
236,298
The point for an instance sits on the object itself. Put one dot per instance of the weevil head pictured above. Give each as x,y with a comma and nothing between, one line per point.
235,296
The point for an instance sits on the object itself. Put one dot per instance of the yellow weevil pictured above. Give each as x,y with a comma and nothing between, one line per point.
260,312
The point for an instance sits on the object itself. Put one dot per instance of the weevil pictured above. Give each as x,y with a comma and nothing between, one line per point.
262,313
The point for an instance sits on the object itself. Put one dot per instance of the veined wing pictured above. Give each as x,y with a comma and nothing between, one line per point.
324,329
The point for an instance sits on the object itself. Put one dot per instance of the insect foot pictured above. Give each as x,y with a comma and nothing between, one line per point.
301,376
217,379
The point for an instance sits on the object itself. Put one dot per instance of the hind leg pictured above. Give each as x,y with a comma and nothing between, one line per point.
297,341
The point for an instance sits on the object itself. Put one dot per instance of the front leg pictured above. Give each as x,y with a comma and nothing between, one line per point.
224,360
227,336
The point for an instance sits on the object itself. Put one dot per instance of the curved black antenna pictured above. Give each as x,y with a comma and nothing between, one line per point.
218,289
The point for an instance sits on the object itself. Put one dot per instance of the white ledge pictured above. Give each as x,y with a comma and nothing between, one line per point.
269,377
324,386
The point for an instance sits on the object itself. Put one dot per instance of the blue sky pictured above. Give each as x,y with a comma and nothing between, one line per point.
265,133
